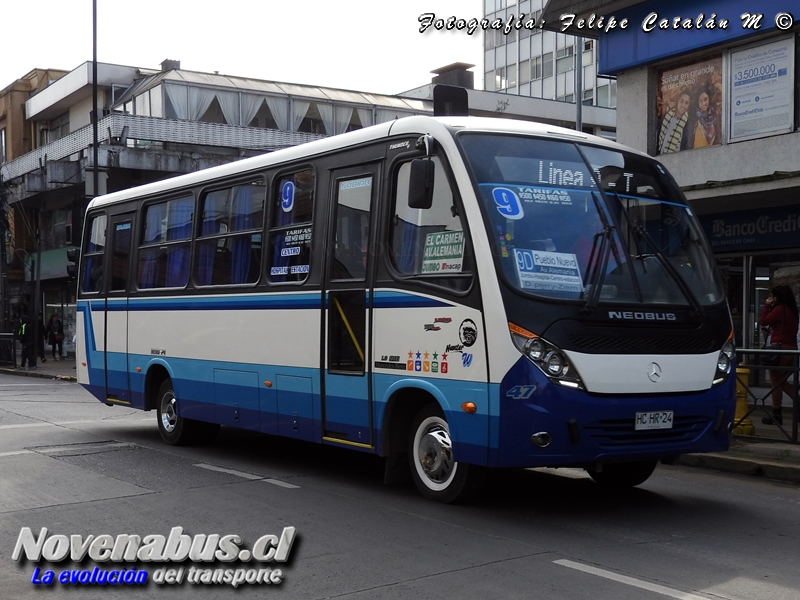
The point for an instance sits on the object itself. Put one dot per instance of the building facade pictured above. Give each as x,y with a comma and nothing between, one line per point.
537,62
711,90
152,124
158,123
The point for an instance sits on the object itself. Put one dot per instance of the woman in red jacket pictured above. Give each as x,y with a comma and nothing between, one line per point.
780,315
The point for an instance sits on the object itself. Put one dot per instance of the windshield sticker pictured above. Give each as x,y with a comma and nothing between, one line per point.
287,196
297,237
545,196
444,252
556,271
508,203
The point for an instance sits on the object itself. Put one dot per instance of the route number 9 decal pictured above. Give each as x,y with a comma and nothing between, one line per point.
287,196
508,203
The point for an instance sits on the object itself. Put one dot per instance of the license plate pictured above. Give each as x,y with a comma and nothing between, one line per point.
660,419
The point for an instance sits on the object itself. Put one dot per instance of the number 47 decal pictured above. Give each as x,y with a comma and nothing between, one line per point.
521,392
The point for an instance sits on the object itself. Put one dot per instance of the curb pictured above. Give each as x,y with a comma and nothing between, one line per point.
767,469
39,374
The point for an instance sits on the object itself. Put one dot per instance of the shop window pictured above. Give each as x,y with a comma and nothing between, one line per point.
525,71
500,78
214,113
264,118
312,122
489,81
565,59
57,128
547,65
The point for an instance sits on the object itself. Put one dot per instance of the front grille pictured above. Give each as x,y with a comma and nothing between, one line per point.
619,433
676,344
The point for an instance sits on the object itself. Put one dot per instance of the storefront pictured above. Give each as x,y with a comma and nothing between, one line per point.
57,292
756,250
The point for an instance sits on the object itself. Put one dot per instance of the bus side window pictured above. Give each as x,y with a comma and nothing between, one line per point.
429,242
120,258
91,279
229,241
289,250
165,244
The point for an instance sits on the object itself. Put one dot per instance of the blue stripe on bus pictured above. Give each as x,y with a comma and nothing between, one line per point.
239,302
275,301
397,299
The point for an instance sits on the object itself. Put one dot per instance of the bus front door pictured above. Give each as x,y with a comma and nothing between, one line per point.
116,321
346,411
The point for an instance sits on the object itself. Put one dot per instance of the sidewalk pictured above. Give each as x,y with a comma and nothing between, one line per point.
52,369
762,455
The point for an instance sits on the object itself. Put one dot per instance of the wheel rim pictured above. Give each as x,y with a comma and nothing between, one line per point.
169,413
433,450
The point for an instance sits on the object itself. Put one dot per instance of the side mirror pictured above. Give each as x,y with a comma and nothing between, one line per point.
420,185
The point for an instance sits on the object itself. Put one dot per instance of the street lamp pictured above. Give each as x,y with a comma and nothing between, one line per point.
95,177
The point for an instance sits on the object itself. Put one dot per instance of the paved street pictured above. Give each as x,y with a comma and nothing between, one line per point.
75,466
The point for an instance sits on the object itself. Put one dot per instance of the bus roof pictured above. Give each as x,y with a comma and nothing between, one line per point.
407,125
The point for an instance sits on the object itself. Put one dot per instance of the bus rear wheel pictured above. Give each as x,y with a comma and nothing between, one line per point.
174,429
623,474
436,473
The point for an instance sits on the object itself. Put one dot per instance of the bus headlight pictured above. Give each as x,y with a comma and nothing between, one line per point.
546,356
535,349
555,364
725,361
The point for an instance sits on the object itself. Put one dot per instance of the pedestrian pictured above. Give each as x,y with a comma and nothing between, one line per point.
40,337
55,335
25,334
780,315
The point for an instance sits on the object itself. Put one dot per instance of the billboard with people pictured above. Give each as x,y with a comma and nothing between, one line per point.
689,104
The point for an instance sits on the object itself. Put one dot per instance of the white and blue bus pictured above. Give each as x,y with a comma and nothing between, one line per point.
453,294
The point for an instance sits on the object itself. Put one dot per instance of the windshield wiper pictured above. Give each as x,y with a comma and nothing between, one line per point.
598,263
641,232
596,269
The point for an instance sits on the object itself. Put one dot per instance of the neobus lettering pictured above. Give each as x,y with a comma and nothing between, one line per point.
642,316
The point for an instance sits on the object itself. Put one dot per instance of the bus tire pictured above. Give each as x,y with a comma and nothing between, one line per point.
623,474
437,475
174,429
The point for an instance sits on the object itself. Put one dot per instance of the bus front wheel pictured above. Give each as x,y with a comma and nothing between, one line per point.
436,473
174,429
623,474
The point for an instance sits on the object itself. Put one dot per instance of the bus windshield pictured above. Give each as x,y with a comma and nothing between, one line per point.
595,225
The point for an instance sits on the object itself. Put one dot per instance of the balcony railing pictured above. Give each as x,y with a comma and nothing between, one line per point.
155,129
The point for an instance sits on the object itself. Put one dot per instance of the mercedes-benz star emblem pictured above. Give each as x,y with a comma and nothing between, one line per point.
654,372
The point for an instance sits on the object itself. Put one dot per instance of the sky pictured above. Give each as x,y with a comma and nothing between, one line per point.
365,45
